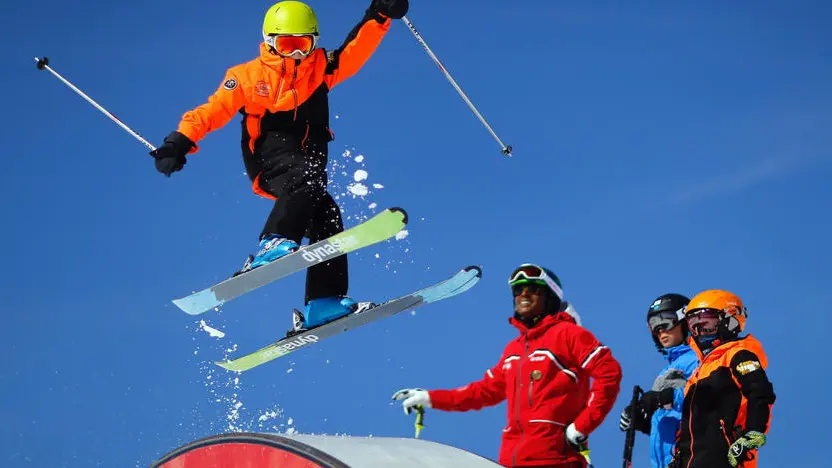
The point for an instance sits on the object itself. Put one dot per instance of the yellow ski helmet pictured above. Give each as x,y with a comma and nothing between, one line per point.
293,19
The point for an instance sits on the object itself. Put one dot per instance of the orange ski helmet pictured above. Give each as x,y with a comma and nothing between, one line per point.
726,305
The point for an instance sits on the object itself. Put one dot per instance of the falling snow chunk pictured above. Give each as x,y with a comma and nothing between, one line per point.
378,256
378,186
358,189
360,175
373,206
346,153
211,331
359,158
401,234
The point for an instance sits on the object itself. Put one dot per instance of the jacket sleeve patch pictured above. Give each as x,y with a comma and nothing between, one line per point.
747,367
230,84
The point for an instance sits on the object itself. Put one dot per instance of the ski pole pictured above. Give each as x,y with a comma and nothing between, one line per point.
506,149
420,419
583,449
630,440
44,64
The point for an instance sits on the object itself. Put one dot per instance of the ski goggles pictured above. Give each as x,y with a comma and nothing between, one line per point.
663,321
291,44
703,321
529,272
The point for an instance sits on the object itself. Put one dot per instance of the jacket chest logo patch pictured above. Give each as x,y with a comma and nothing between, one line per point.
262,88
537,358
537,375
746,367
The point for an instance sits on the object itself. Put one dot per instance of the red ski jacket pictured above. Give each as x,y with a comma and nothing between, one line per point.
544,374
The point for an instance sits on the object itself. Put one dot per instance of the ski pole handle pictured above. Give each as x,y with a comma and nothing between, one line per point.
506,149
43,64
420,419
630,440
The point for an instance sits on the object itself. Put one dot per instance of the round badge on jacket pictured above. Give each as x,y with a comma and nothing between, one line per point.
536,374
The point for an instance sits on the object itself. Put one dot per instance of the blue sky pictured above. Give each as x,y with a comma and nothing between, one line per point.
657,148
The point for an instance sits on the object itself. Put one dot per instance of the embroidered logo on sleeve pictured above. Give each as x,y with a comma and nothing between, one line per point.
746,367
230,84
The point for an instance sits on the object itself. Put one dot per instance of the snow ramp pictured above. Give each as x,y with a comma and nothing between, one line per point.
256,450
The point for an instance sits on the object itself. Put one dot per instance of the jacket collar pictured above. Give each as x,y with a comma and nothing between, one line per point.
544,324
675,352
721,347
282,64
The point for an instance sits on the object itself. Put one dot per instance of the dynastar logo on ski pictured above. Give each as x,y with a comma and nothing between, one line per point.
334,248
291,345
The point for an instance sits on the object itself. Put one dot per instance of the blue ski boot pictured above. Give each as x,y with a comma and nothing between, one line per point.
272,247
324,310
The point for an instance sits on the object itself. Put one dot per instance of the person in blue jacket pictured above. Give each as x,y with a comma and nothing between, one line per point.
659,411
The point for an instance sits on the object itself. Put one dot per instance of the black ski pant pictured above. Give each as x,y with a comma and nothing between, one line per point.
295,173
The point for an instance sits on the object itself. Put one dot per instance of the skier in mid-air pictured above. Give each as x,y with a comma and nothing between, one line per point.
726,412
544,374
659,411
283,98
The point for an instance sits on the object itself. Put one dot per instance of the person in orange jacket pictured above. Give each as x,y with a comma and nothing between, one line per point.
727,407
282,96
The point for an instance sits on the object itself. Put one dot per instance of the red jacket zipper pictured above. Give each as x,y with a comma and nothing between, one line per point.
517,406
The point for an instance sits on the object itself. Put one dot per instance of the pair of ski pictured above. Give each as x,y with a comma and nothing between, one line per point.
378,228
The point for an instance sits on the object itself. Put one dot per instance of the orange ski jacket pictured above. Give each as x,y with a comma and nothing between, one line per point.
273,93
727,395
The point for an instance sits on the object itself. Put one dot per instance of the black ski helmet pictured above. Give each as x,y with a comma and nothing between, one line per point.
670,302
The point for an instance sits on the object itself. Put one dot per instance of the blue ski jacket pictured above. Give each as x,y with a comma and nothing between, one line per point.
681,363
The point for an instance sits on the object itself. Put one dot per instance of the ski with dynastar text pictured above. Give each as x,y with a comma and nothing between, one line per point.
376,229
460,282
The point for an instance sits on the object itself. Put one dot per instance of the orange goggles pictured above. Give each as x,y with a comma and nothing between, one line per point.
288,45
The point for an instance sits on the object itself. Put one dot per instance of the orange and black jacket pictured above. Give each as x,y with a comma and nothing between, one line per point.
727,395
285,95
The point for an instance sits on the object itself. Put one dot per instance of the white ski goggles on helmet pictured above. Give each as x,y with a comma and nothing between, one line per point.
530,272
664,321
292,45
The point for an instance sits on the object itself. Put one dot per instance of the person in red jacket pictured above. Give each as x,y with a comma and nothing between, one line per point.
544,376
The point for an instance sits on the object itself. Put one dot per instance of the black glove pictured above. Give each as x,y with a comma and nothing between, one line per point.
640,419
395,9
170,157
651,401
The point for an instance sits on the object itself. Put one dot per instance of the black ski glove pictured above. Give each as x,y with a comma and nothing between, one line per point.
639,419
395,9
170,157
651,401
